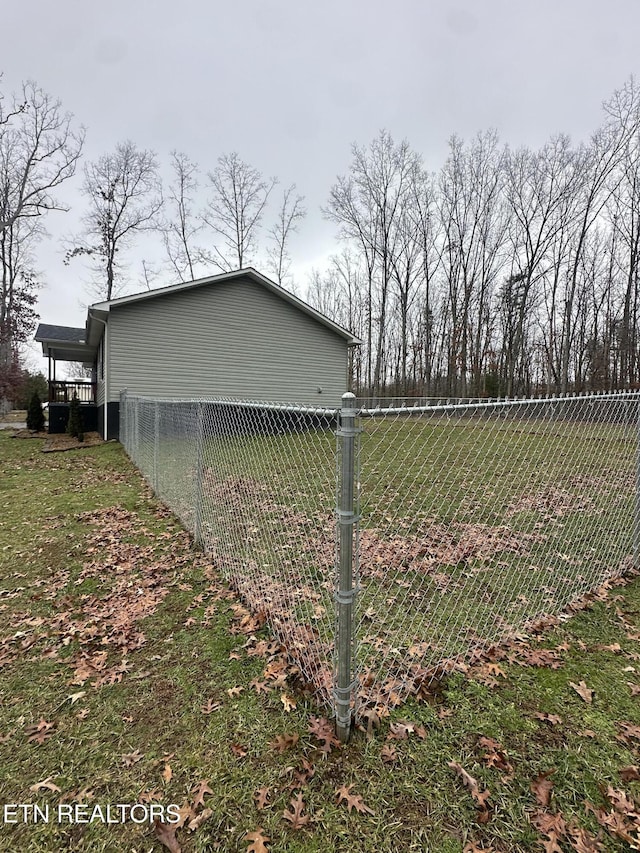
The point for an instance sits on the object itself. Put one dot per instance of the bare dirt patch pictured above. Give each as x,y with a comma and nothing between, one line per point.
62,441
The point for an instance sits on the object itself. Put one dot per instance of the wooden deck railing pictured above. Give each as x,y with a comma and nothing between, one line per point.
61,391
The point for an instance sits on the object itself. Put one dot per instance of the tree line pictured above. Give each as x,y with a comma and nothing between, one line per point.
506,272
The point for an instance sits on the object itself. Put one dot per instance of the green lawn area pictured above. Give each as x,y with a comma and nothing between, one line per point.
129,674
471,528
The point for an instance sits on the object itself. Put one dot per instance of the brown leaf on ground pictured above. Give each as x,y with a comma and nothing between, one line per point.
166,835
616,648
261,797
353,801
235,691
295,817
470,783
472,847
167,773
303,775
238,750
400,730
583,842
210,706
495,756
201,791
537,657
47,784
629,774
584,692
388,753
284,742
132,758
258,841
259,686
288,702
621,802
628,732
541,788
197,821
552,719
323,730
40,732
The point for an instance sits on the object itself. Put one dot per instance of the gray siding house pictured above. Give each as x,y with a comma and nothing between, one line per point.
235,335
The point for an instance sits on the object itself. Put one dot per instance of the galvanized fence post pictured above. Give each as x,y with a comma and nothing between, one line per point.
636,515
124,436
197,509
346,589
156,447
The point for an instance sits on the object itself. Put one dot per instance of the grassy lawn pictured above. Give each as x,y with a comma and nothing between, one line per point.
471,528
129,674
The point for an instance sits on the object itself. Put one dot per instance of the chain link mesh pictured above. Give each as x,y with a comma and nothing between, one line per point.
255,484
476,519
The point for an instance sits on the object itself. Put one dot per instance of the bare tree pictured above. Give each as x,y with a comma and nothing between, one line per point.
39,151
182,225
18,295
290,213
370,206
125,197
234,212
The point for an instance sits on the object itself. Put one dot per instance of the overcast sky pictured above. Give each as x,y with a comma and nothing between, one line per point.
291,85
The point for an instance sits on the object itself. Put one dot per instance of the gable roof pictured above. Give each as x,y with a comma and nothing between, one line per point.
100,310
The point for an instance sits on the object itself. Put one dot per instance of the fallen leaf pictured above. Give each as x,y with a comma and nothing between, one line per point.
132,758
40,732
585,693
388,753
629,774
261,797
238,750
166,835
284,742
200,793
210,706
76,696
552,719
235,691
480,797
258,841
324,732
353,801
288,702
197,821
541,788
495,756
47,784
167,773
295,817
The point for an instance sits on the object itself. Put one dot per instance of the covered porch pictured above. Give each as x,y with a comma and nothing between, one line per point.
66,343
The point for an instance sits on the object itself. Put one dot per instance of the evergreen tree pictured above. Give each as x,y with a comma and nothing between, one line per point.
74,424
35,415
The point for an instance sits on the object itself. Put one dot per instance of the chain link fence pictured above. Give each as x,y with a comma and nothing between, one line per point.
415,535
255,485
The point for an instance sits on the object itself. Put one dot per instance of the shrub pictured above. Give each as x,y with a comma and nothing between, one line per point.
74,424
35,415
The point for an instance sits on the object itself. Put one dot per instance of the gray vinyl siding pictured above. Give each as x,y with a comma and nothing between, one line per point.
228,339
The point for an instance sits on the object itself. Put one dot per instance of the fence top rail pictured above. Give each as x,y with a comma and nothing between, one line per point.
240,404
502,403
